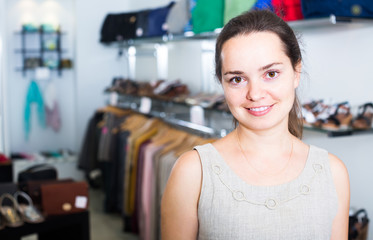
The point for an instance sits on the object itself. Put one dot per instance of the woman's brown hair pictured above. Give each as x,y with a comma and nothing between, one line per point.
265,21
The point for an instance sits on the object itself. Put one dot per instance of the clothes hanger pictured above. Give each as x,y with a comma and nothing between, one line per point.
115,110
163,132
133,122
191,141
171,135
178,143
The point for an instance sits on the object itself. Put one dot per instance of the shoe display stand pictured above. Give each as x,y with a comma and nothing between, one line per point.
70,226
41,53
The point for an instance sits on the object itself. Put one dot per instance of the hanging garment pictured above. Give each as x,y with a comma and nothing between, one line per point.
52,107
147,192
157,21
233,8
33,96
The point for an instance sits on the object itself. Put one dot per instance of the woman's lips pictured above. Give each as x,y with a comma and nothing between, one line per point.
259,111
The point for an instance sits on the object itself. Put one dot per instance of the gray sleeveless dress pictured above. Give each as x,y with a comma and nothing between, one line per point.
231,209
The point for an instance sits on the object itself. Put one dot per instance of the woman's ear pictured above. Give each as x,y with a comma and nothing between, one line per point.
298,71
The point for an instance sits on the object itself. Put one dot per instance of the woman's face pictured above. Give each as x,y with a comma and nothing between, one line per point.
258,80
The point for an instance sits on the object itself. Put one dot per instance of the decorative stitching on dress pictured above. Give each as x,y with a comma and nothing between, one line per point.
270,203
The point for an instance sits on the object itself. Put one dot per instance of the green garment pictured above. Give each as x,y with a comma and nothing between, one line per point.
207,15
33,96
234,8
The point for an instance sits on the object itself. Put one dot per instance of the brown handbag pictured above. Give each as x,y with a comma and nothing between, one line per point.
33,188
64,198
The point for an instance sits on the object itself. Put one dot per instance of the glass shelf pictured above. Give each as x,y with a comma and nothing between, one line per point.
313,23
339,133
39,50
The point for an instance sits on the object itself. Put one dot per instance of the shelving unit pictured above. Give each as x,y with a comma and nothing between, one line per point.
315,23
218,122
333,22
42,51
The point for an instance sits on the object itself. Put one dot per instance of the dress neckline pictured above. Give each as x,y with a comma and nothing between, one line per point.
295,180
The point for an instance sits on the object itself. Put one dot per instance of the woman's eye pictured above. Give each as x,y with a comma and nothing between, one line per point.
236,80
272,74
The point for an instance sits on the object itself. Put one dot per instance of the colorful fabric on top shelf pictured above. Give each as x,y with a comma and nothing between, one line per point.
208,15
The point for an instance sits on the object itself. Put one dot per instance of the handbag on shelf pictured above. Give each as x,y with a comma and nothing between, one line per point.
342,8
64,198
157,21
118,27
142,23
33,188
358,225
38,172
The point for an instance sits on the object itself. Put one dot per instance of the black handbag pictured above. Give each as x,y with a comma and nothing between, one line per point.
38,172
118,27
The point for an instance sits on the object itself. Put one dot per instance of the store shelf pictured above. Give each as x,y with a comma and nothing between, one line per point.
339,133
38,50
315,23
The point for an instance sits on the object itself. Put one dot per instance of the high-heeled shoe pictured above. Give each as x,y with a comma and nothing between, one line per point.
10,215
340,119
28,211
364,119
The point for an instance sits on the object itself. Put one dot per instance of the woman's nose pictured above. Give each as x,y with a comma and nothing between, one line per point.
255,91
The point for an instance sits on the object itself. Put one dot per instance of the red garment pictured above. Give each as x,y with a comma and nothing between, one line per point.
3,158
288,10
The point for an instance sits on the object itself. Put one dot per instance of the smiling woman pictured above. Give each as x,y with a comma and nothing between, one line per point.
260,181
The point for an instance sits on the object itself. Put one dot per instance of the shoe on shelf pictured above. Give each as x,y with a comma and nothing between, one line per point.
29,212
340,119
364,119
309,112
321,112
10,215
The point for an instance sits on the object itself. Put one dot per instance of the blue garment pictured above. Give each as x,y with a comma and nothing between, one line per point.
33,96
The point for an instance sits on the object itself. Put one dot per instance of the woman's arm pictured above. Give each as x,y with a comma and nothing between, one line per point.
179,206
342,184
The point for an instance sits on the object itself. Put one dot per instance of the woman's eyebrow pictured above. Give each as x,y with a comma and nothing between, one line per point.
269,66
233,73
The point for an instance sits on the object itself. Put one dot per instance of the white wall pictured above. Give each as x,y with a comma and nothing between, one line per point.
37,12
96,64
3,135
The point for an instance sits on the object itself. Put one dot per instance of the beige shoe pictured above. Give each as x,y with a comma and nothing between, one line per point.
10,215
